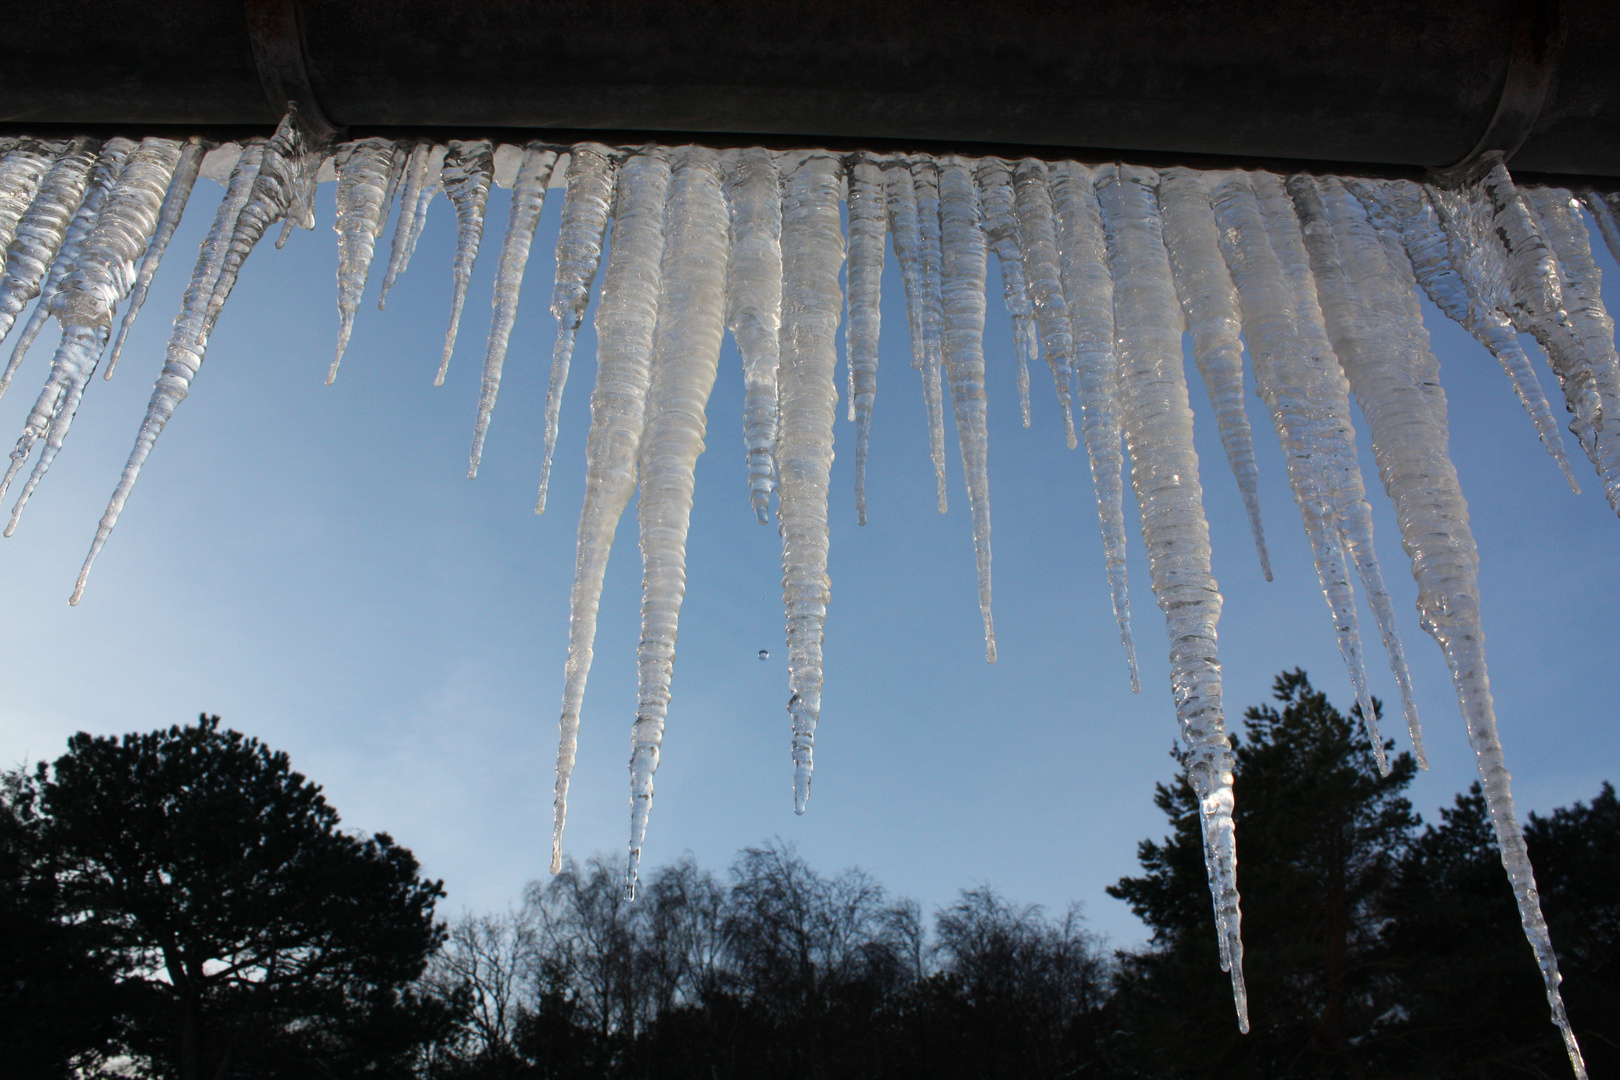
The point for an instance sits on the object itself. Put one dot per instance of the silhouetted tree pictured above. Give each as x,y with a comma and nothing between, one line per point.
261,940
1320,833
1473,1005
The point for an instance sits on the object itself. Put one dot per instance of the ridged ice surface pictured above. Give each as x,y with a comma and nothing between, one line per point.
994,178
812,254
109,163
102,273
965,255
1215,321
528,199
1450,245
1164,475
1037,237
579,252
1587,327
685,360
39,233
363,169
754,307
925,185
625,317
868,229
1088,288
169,214
1316,277
469,170
22,171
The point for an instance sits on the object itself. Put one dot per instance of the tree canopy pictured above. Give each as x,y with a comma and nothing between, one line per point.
245,933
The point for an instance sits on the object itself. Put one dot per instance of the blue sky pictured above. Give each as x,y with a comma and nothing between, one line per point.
312,563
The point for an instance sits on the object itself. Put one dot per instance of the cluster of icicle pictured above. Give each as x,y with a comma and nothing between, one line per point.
1103,268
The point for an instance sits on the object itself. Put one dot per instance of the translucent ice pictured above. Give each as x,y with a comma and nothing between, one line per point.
754,307
994,178
363,168
1038,237
469,169
925,182
867,230
38,234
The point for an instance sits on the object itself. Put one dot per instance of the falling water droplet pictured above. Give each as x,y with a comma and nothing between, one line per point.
764,654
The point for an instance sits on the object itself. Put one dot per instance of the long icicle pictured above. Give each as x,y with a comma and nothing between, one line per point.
186,349
754,307
174,207
1213,317
1396,381
1346,488
40,231
900,194
469,170
1368,304
1455,269
528,199
994,179
100,278
812,252
363,168
1164,474
1037,236
1289,375
586,204
867,229
965,252
625,317
686,357
108,165
925,182
1088,287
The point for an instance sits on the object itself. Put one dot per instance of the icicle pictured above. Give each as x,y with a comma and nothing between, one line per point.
1535,303
22,170
187,346
431,186
963,244
1370,309
1038,238
1001,230
282,168
1448,263
686,356
625,317
300,210
812,251
469,169
1399,394
1211,303
101,276
900,194
925,182
363,168
174,206
866,232
108,164
579,252
1164,474
1330,441
1603,206
528,198
39,233
1089,291
754,307
416,168
1588,325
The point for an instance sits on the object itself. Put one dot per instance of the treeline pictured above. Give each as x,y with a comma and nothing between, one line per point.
183,905
778,971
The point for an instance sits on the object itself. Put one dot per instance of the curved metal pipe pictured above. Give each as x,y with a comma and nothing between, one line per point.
1402,83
